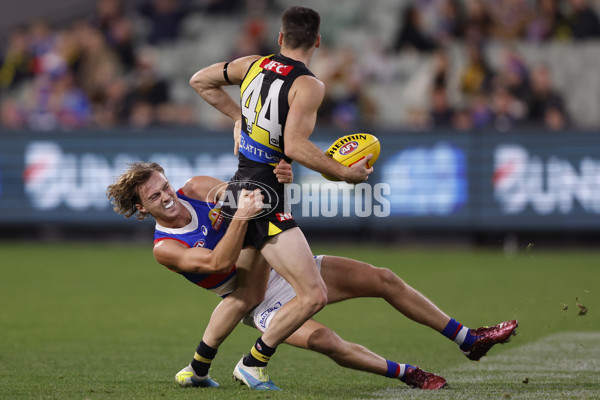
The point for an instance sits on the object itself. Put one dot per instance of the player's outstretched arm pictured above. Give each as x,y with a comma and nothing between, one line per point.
305,99
207,188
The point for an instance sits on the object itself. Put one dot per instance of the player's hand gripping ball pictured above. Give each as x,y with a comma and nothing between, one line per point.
350,149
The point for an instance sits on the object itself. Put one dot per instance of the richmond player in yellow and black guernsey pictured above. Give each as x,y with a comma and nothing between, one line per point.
264,103
274,118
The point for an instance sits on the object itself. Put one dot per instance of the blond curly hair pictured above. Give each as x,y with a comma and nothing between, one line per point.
123,194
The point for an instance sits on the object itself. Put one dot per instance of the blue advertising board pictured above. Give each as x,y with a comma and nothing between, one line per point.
525,181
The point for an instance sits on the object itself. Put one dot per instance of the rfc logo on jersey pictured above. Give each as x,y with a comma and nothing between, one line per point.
200,243
277,67
284,216
348,148
216,218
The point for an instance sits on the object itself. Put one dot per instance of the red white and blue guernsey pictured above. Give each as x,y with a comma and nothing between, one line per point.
205,230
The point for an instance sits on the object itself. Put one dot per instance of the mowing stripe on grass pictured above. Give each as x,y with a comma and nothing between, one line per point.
561,366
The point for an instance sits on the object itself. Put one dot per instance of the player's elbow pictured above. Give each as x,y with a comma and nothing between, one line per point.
215,266
222,268
197,81
293,144
194,80
291,151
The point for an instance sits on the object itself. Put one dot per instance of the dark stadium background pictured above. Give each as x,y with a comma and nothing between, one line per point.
500,177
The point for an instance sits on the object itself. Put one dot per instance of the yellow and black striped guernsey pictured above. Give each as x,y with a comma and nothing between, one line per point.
264,102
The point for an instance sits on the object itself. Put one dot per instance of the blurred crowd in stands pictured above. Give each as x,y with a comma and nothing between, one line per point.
99,72
514,95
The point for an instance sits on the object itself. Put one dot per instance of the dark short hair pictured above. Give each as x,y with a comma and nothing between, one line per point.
300,27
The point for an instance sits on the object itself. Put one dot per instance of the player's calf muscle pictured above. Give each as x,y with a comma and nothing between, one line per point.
324,341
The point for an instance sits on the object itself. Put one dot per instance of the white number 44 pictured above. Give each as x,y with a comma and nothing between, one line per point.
270,105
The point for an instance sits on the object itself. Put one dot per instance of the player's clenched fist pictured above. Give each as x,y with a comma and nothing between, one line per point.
250,204
283,172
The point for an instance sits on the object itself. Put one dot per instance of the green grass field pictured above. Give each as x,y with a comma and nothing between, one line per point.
107,322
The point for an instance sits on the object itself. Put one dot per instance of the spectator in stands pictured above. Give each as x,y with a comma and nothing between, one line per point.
417,119
41,41
478,21
555,119
462,120
111,110
165,17
252,39
450,23
411,34
106,13
69,103
349,104
65,54
16,61
549,23
585,23
476,77
99,64
441,114
110,19
513,73
11,114
510,18
441,68
481,113
120,38
507,111
149,90
54,101
141,115
543,97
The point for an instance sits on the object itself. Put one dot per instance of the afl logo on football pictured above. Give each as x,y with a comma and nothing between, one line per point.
200,243
348,148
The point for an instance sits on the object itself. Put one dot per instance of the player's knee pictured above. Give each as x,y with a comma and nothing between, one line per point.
245,305
315,300
246,300
324,341
320,298
254,299
389,280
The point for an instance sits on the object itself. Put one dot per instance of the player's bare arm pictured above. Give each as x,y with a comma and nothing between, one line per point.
204,188
209,82
305,98
207,188
180,258
198,260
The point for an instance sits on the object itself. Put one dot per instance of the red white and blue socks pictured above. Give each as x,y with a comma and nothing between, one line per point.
459,334
397,371
455,331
